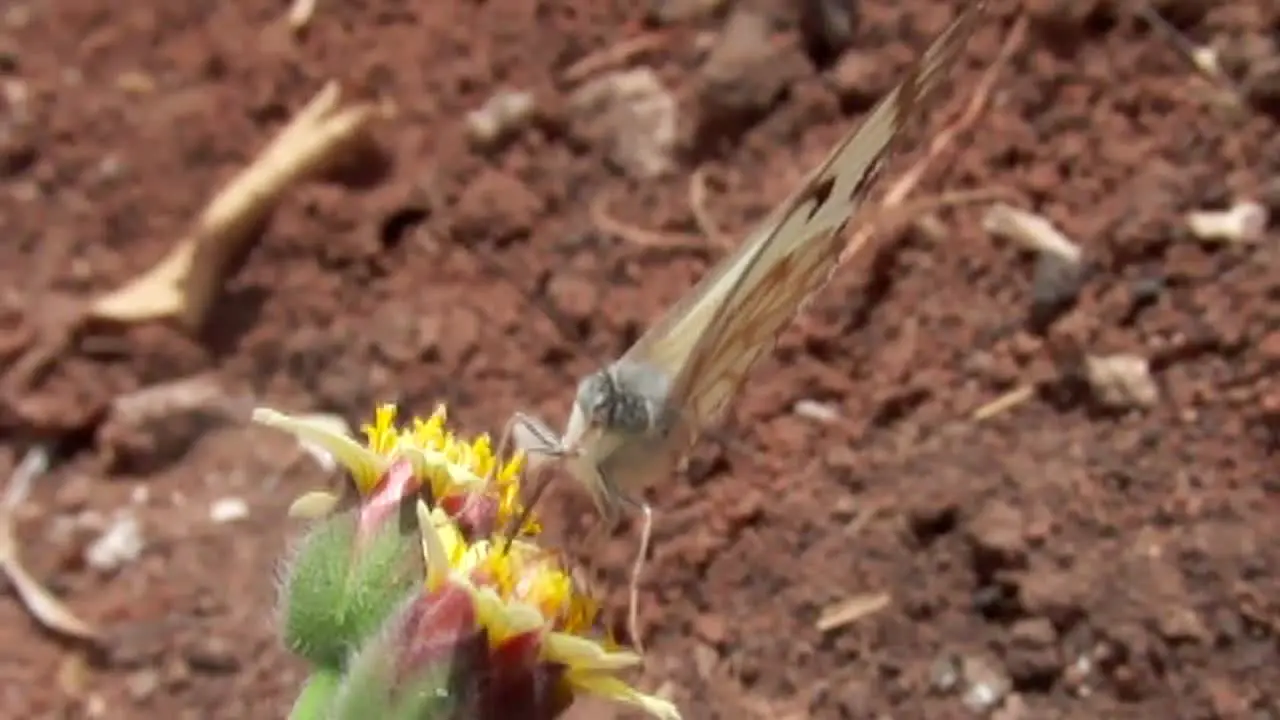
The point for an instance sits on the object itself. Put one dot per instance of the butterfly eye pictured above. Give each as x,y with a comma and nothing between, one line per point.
629,414
596,397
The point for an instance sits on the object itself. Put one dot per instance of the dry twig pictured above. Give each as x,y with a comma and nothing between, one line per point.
883,220
1203,59
1004,403
184,284
851,610
698,206
614,55
42,604
977,104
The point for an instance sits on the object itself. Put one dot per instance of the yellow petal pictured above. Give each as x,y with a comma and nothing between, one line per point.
432,548
430,463
587,655
313,505
381,435
611,688
364,465
504,619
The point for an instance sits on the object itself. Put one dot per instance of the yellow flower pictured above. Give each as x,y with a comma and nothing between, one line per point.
523,597
456,470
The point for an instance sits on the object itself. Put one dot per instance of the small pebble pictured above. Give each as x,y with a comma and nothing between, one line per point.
213,655
986,685
814,410
118,546
944,674
226,510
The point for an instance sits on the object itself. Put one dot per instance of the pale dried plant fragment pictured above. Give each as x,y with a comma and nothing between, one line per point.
160,401
635,116
43,605
1060,267
184,283
160,422
1205,59
1033,232
1244,222
502,115
1121,381
851,610
300,14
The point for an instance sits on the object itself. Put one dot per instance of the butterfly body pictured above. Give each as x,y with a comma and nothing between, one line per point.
632,420
620,422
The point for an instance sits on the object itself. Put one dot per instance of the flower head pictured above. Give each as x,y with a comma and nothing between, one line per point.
536,620
497,623
467,479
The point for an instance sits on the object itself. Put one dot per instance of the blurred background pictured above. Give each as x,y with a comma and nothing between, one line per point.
1018,460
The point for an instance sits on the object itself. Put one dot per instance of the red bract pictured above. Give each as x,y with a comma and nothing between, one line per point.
476,514
387,497
435,627
439,632
517,684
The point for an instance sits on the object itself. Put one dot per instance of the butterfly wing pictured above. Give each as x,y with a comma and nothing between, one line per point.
712,337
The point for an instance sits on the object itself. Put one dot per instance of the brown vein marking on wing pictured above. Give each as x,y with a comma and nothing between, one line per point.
798,248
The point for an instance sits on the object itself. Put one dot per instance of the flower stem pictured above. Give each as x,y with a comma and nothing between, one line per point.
316,698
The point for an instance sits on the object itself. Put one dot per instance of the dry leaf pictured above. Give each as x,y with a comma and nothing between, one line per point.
185,282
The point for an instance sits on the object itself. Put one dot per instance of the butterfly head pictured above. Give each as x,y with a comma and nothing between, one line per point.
607,403
597,403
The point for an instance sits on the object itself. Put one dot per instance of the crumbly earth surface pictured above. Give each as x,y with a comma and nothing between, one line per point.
1057,559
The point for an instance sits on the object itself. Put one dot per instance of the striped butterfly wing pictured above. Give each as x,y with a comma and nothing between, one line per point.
733,317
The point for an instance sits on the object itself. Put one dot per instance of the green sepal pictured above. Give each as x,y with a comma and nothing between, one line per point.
337,593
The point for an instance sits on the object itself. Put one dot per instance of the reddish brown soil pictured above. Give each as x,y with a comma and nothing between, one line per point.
1114,565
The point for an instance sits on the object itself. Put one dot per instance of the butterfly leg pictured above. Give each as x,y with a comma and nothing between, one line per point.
531,435
633,603
613,517
503,440
537,440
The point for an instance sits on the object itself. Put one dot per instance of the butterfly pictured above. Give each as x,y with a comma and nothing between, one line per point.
633,420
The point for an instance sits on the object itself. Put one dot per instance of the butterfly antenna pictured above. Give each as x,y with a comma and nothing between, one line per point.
519,520
491,473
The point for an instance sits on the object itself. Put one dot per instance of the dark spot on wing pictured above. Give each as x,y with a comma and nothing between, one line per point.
819,191
868,177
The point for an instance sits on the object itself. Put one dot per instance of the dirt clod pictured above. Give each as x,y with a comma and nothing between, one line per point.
998,535
1031,656
745,74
